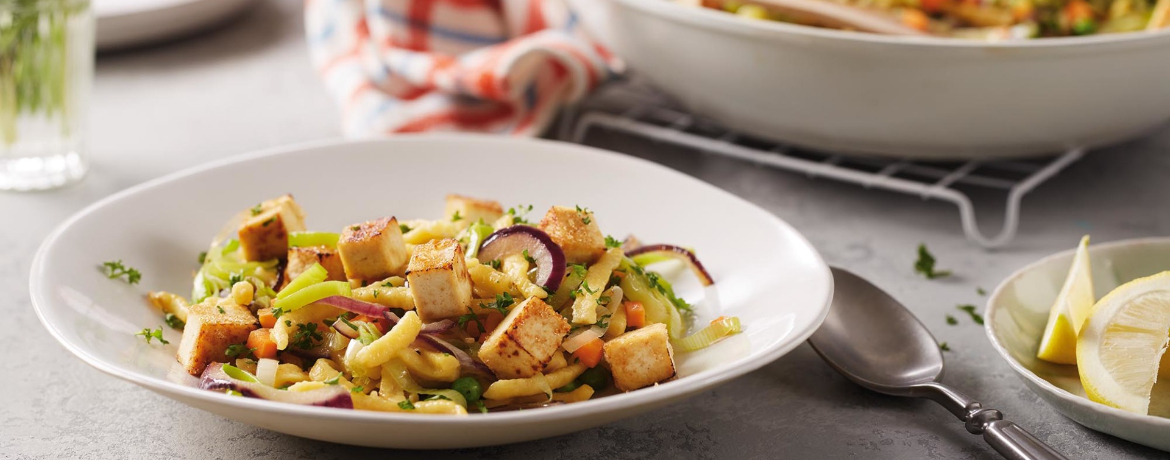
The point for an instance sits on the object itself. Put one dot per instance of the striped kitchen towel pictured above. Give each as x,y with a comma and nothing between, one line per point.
496,66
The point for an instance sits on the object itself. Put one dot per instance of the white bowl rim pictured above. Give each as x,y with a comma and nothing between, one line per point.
989,328
722,21
645,396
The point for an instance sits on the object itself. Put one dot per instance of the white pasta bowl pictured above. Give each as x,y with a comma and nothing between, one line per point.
869,94
1017,313
766,273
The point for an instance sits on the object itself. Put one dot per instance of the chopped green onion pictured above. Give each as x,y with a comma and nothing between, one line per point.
304,239
720,328
309,277
479,232
312,294
239,374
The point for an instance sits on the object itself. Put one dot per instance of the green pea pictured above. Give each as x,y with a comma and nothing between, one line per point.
469,387
597,377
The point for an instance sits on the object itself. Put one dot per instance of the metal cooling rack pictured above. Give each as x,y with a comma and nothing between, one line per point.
635,109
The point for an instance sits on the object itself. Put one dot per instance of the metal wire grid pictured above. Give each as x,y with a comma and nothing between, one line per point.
928,180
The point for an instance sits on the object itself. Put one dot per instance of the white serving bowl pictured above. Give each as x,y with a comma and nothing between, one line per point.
1017,313
868,94
765,272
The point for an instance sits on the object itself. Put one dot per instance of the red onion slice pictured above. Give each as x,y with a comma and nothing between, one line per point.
550,259
215,379
437,327
372,310
342,328
676,252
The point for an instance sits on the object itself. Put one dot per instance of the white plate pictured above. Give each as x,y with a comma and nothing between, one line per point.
1017,313
766,273
124,23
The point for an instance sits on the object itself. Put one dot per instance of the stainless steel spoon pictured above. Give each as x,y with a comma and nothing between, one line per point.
877,343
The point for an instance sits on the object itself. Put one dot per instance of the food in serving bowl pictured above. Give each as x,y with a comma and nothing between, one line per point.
986,20
1032,306
906,97
480,310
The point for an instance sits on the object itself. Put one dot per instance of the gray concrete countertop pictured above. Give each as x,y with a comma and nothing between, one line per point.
249,85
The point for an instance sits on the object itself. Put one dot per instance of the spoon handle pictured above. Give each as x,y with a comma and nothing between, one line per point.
1007,438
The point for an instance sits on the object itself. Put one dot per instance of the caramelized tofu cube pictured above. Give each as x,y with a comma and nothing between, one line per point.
373,250
640,358
264,234
471,210
212,326
438,280
576,232
301,258
525,340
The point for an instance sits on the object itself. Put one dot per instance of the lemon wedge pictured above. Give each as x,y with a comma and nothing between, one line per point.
1120,346
1072,306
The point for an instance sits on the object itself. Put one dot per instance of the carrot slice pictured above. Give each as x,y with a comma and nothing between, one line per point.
261,343
267,318
590,353
635,314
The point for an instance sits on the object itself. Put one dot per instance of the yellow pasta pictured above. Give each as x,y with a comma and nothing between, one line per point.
585,305
439,406
388,387
422,231
287,323
516,267
582,393
506,220
486,281
541,383
393,297
395,340
374,403
431,365
557,362
170,303
617,317
289,373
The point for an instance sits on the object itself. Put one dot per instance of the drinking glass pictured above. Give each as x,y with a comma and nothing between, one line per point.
46,71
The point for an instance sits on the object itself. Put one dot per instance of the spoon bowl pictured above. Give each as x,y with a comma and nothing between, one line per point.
871,339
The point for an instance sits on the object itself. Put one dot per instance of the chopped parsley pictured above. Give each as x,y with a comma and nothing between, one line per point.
287,323
240,350
944,347
404,228
663,287
585,212
354,228
277,313
925,264
220,310
305,336
611,242
970,309
494,263
951,320
269,221
482,408
602,322
357,389
578,270
502,303
980,291
333,381
115,269
468,317
173,321
148,334
528,257
256,210
202,257
518,213
235,278
375,293
585,287
406,405
456,217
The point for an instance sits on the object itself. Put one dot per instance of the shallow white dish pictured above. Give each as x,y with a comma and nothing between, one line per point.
766,273
870,94
1017,313
124,23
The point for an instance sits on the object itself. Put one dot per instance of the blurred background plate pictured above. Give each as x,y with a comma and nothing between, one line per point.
126,23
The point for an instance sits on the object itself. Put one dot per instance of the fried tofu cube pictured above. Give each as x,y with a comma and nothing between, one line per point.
212,326
264,234
576,232
525,340
640,358
438,280
471,210
373,250
301,258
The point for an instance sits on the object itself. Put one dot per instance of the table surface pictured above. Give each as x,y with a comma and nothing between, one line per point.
249,86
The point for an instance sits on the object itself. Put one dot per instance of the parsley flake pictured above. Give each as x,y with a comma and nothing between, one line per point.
256,210
173,321
611,242
240,350
468,317
528,257
925,264
980,291
202,257
149,334
406,405
951,320
944,347
494,263
115,269
404,228
585,219
970,309
502,303
357,389
333,381
456,217
269,221
221,310
578,270
305,336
